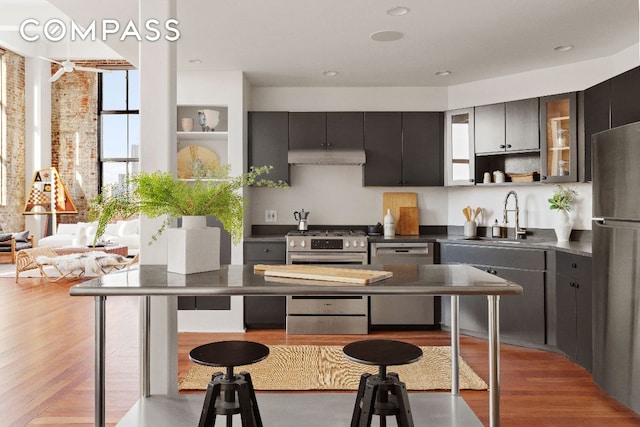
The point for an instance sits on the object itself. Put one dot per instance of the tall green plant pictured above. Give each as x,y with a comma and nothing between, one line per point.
154,194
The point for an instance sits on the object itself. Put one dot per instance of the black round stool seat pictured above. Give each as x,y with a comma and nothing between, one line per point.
383,394
229,353
228,393
382,352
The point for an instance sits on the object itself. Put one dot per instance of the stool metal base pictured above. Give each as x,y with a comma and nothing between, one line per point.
383,396
220,399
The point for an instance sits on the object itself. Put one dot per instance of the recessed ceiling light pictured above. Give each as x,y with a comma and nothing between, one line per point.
398,11
386,36
443,73
330,73
195,61
563,48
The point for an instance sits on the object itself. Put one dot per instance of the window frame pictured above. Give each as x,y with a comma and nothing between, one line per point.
102,112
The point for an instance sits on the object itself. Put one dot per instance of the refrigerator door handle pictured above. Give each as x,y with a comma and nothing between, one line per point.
612,223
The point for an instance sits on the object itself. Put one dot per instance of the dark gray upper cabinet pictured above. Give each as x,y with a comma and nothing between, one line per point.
489,128
423,148
625,91
383,146
268,142
558,138
326,131
345,131
522,125
596,118
507,127
307,131
404,149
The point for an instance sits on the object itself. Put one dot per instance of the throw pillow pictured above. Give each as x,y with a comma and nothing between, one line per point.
5,237
23,236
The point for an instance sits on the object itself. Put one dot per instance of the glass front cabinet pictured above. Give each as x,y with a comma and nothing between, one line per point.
460,154
558,138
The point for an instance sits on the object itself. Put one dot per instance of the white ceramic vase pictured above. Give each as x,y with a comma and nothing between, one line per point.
208,119
193,248
563,226
187,124
191,222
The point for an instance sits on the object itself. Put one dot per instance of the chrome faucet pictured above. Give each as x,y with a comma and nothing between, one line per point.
520,233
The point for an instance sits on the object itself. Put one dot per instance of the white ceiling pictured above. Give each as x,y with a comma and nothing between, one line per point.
291,42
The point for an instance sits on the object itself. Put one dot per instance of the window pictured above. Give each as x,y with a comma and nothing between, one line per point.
3,112
118,125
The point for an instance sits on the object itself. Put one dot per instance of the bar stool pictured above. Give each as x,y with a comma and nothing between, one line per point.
220,398
382,394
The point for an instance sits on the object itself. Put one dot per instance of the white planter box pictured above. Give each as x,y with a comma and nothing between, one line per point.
193,250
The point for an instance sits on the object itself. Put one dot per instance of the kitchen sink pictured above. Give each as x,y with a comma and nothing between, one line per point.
493,240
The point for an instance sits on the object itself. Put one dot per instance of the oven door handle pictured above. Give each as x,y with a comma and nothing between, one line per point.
323,258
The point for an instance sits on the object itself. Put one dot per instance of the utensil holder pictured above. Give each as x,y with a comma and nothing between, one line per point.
470,229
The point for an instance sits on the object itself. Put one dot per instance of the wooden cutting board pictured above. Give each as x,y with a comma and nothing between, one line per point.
329,274
408,222
395,201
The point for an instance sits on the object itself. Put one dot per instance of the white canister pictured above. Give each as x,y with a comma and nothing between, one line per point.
389,225
487,178
470,229
187,124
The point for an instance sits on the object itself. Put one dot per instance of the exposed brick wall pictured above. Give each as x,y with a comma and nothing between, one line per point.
74,135
74,138
12,155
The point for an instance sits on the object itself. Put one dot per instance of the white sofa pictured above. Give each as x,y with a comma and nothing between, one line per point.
82,234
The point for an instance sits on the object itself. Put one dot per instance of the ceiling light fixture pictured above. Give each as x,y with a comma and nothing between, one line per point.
195,61
386,36
443,73
398,11
563,48
330,73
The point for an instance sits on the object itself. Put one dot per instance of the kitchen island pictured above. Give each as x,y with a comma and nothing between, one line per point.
149,281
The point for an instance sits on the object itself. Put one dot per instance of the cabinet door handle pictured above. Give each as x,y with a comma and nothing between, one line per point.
577,285
266,250
502,146
329,144
574,265
542,177
490,271
508,145
472,180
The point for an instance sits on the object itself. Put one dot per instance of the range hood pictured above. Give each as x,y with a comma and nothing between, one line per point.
327,157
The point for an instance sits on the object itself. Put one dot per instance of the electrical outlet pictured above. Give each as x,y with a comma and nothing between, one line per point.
270,216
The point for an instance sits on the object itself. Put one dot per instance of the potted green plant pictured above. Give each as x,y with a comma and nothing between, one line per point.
155,194
562,202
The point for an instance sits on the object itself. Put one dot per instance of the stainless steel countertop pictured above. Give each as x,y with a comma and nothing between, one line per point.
241,280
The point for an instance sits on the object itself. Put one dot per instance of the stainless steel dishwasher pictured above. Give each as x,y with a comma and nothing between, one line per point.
409,310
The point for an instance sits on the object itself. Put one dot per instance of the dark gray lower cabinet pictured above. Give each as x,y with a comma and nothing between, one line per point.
265,312
522,318
574,307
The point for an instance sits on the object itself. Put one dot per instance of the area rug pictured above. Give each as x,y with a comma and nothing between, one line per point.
311,367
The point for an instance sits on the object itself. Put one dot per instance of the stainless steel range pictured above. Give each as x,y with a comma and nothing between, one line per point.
327,314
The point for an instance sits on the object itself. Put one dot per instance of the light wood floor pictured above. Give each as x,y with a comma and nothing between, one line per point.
46,365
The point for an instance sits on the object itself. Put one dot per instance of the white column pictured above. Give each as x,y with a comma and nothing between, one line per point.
37,147
158,148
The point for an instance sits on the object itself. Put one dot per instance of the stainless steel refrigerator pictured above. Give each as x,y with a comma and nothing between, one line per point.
616,263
